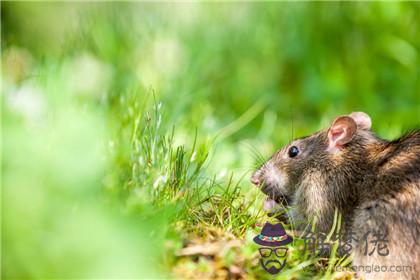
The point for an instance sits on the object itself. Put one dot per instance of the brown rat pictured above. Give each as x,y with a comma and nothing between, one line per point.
373,183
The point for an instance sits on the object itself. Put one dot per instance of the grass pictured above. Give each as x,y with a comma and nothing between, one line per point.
130,130
209,214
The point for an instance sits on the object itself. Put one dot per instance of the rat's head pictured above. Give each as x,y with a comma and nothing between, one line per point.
313,158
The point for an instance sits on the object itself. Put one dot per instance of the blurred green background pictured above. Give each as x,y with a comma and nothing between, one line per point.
79,80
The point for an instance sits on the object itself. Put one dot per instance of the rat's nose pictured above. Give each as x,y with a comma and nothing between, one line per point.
255,180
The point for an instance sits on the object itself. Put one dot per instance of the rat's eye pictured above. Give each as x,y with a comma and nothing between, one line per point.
293,151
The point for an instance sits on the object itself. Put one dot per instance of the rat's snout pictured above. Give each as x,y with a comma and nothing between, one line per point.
255,181
272,181
256,178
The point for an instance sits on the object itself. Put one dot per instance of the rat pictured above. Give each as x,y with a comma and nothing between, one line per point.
373,183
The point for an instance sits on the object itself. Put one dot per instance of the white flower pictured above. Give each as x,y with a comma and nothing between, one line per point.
221,174
87,75
27,100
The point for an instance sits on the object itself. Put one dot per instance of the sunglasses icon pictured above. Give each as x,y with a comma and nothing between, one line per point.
266,252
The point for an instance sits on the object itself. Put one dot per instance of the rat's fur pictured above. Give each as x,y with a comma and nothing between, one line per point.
374,183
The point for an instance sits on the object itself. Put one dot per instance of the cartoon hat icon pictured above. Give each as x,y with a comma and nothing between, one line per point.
273,236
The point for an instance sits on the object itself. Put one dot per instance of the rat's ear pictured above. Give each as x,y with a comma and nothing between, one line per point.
362,120
341,132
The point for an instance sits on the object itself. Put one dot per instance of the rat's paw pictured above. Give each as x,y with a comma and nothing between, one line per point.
270,205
